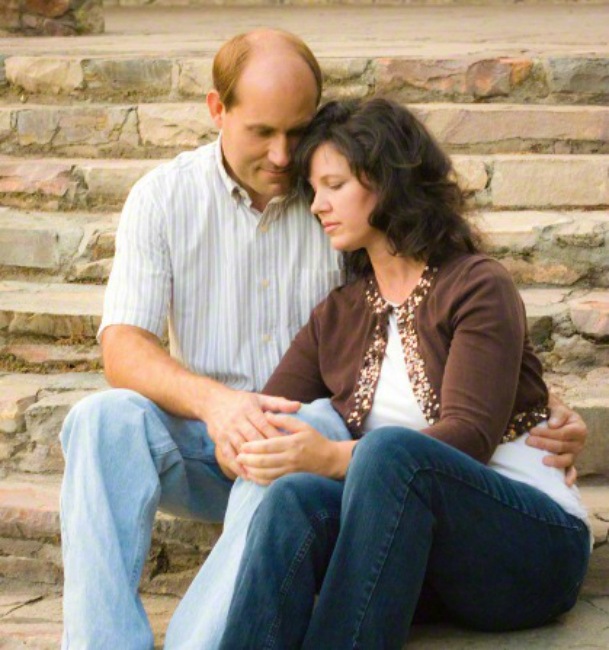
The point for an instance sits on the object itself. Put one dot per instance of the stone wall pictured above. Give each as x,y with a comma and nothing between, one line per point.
51,17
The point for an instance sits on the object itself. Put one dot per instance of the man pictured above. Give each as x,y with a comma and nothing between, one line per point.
217,240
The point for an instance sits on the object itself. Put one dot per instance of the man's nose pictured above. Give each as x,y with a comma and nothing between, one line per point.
280,154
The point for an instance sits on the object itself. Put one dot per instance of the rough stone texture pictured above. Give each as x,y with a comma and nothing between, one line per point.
42,453
496,128
591,315
37,241
98,271
109,182
14,401
40,355
54,17
581,76
469,79
144,77
347,78
47,183
550,181
471,173
59,311
175,125
195,77
41,75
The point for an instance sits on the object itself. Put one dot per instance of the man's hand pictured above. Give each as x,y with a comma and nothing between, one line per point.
564,437
234,417
302,449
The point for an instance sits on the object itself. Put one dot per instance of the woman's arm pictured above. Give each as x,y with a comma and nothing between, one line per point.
484,362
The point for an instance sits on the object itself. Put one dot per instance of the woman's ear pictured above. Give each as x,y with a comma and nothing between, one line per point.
216,108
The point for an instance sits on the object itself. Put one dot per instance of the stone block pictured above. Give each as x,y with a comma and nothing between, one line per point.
579,76
51,356
6,128
588,230
195,77
148,77
175,125
542,271
15,398
36,127
513,128
29,510
45,74
50,179
471,173
47,8
110,181
518,231
97,271
3,80
468,78
44,420
550,181
591,315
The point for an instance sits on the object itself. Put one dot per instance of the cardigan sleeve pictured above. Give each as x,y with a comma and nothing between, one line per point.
482,370
298,375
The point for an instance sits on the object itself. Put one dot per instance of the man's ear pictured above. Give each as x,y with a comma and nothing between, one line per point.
216,108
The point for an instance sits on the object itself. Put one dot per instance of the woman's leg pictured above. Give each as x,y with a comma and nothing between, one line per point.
200,618
289,544
500,554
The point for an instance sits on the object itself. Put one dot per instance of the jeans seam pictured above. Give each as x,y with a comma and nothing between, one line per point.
499,500
134,579
271,638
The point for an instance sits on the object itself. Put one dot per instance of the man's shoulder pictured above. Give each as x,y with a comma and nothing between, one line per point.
188,168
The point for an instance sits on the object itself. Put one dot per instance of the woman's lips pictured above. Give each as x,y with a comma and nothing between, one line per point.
329,226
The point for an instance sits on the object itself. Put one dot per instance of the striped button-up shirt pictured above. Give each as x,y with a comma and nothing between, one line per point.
234,284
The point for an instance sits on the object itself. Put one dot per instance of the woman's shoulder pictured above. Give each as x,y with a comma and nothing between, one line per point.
471,269
345,299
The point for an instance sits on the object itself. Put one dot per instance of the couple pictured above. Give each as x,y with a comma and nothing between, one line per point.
410,488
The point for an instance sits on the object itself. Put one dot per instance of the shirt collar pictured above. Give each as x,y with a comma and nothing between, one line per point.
277,204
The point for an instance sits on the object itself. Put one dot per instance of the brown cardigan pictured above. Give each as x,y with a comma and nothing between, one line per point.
467,350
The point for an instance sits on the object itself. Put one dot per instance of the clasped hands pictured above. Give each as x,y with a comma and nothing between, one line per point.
257,439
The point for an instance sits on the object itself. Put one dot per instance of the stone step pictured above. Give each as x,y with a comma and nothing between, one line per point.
510,181
30,540
553,248
462,75
158,130
65,246
32,619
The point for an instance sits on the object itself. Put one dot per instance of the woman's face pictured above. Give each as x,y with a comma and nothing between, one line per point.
342,203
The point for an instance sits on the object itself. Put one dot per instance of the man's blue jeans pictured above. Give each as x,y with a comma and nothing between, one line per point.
414,519
125,458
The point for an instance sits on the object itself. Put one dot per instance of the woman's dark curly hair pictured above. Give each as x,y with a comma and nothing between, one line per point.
420,206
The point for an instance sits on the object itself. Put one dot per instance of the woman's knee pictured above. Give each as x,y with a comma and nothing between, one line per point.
298,495
391,445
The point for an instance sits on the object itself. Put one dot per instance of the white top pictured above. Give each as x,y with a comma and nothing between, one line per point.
236,284
395,404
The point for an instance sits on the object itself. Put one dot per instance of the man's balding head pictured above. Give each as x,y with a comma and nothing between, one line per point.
268,48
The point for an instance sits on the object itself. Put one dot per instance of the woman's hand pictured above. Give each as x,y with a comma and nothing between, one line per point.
302,449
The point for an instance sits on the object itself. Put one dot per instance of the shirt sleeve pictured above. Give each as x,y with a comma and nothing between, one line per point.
298,376
484,362
140,285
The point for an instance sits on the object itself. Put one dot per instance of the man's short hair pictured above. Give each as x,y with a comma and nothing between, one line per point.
232,57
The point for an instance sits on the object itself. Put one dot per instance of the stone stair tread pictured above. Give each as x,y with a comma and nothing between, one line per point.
33,620
371,29
134,129
52,298
513,181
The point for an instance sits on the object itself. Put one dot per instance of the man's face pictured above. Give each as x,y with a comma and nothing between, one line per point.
261,130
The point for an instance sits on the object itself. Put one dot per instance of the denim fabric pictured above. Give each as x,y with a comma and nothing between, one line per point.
413,517
125,458
200,619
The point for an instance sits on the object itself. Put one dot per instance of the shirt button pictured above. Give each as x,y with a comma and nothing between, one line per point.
265,284
266,338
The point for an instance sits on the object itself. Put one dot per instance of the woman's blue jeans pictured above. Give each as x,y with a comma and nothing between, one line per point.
415,523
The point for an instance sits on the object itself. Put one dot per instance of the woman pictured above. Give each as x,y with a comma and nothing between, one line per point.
436,502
